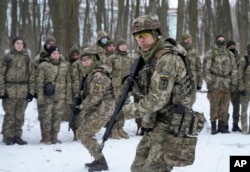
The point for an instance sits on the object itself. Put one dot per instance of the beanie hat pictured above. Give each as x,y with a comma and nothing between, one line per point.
109,42
220,35
185,36
52,49
50,39
120,42
16,39
230,42
74,49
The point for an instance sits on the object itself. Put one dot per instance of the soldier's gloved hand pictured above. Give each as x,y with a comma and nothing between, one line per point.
5,96
119,115
243,93
76,111
198,87
29,97
180,109
35,95
77,100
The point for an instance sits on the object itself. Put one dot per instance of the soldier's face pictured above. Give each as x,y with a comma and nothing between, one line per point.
75,56
87,61
123,47
55,55
111,48
49,44
18,45
145,40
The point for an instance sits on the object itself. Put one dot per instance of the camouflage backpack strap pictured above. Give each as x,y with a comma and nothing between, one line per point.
165,50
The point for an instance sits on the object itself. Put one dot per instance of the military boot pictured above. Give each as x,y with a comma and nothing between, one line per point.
54,138
19,141
222,127
236,128
46,138
213,128
99,165
123,134
9,141
91,164
115,134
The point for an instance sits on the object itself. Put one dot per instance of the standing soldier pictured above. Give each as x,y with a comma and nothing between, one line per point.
195,61
235,94
120,63
97,106
16,90
163,84
53,92
110,48
244,87
220,74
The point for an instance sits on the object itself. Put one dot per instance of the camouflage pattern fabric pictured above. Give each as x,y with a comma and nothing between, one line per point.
52,107
76,74
244,85
96,108
156,97
16,80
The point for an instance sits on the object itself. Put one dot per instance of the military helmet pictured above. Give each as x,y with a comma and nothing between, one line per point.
102,34
90,52
146,22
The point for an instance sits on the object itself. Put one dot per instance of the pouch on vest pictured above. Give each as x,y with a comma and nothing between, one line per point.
49,89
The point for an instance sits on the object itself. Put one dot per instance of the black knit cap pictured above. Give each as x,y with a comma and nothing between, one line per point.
230,42
16,39
52,49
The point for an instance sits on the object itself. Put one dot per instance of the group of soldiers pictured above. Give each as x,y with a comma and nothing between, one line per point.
164,92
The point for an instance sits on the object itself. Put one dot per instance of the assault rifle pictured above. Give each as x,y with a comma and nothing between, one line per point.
76,101
138,64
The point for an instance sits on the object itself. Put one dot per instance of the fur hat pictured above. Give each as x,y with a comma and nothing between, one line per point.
16,39
52,49
230,42
185,36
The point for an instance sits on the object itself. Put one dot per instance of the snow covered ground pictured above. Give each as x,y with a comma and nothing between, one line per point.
212,151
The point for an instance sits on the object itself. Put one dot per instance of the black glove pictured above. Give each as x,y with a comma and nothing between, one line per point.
5,96
180,109
35,95
77,101
29,97
243,93
76,111
198,87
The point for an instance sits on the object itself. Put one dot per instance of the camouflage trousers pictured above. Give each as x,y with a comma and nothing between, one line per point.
51,115
244,100
219,102
150,152
14,117
235,99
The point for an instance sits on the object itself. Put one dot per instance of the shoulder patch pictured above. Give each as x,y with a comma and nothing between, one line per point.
164,76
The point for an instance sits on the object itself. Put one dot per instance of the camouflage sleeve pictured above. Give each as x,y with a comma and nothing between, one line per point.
98,85
40,83
31,79
109,60
2,77
234,75
68,88
242,64
198,71
206,68
168,68
75,77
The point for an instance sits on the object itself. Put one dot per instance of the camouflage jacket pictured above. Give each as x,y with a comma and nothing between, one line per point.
168,69
219,69
47,72
97,91
195,66
244,74
76,73
121,64
16,77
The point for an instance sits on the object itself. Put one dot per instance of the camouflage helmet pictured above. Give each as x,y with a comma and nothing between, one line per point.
90,52
102,34
146,22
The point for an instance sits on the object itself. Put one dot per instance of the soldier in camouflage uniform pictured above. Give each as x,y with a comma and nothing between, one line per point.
74,54
16,90
110,48
100,46
162,85
244,87
97,106
120,63
195,61
235,94
53,92
220,74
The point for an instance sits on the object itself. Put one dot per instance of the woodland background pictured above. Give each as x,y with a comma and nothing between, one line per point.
76,22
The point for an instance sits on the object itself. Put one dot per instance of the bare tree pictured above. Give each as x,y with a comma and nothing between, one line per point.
243,25
3,30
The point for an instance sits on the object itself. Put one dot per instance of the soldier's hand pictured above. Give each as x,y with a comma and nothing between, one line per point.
243,93
5,96
29,97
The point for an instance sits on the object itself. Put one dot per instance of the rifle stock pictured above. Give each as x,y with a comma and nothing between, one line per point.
77,99
129,84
